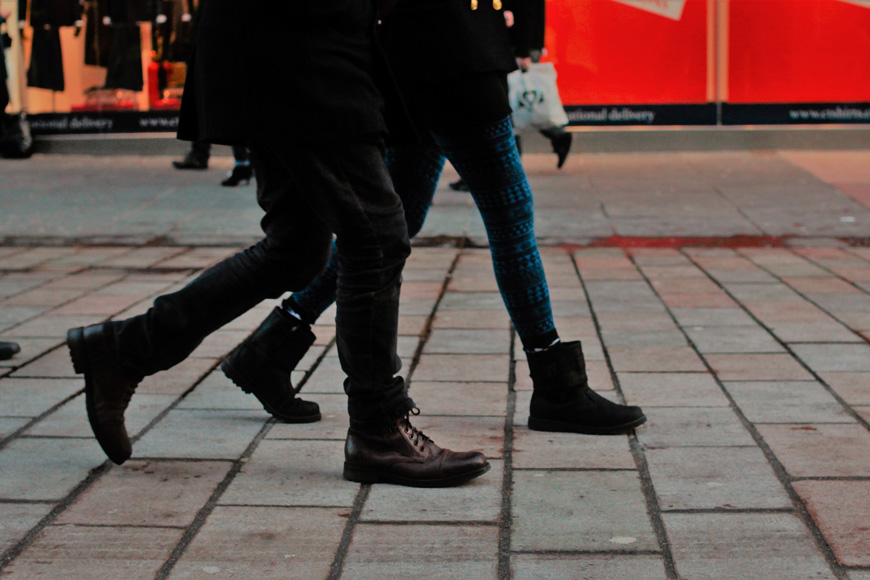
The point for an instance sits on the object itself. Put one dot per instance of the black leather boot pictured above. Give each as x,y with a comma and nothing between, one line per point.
8,350
401,454
193,160
263,363
563,402
238,174
107,390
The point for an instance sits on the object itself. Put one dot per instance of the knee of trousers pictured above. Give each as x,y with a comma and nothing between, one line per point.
286,267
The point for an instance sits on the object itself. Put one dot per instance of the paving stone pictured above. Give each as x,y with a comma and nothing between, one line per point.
16,520
219,344
864,412
43,297
587,567
733,339
167,493
71,420
218,434
31,348
478,341
841,509
541,450
333,425
472,399
471,301
716,546
412,552
46,469
412,325
87,553
178,379
831,331
757,367
693,427
835,357
820,450
50,326
583,510
712,317
55,364
672,390
463,368
98,305
290,473
476,501
823,285
263,542
32,397
8,426
859,575
787,402
630,322
654,338
715,478
484,434
327,377
216,391
655,359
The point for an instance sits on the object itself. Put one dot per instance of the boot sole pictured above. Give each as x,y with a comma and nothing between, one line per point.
238,379
554,426
78,351
375,475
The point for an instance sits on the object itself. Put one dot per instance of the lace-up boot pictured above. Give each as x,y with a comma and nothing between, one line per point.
263,363
107,390
403,455
563,402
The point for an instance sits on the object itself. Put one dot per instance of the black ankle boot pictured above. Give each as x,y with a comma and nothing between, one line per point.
239,174
192,160
563,402
262,365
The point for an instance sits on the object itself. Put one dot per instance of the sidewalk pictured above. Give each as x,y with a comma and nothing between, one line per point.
746,343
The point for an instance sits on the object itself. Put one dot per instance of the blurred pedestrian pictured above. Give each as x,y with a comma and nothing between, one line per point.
315,132
475,133
200,152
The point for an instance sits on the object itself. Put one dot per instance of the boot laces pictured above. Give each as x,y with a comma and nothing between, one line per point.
417,438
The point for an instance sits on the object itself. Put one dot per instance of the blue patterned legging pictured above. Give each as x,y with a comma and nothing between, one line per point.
488,161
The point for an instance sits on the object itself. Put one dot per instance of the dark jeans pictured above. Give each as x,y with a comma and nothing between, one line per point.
308,194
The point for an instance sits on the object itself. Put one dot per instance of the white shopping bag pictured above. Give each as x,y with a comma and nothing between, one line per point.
534,98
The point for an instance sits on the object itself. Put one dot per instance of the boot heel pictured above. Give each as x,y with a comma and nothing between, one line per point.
360,474
75,341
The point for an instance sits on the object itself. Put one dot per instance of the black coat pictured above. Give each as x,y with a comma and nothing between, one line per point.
299,69
436,40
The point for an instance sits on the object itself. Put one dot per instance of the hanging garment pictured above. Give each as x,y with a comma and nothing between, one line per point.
4,89
125,59
54,13
46,60
97,34
131,11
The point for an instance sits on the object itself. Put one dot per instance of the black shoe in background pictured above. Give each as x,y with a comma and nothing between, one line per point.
8,350
459,185
192,161
238,174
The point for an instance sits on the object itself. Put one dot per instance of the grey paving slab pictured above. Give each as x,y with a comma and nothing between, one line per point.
333,424
32,397
841,509
476,501
733,339
587,567
273,542
712,317
293,473
87,553
655,359
49,326
582,510
46,469
484,434
693,427
541,450
9,425
794,332
820,450
178,379
715,478
787,402
463,368
654,338
71,420
17,519
455,341
473,399
471,301
328,377
672,390
56,363
713,546
216,434
757,367
147,493
835,357
216,391
412,552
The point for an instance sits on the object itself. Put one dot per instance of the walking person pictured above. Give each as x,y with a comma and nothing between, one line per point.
200,152
316,137
475,134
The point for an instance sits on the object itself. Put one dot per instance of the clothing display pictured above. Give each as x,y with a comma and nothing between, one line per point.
46,60
125,58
